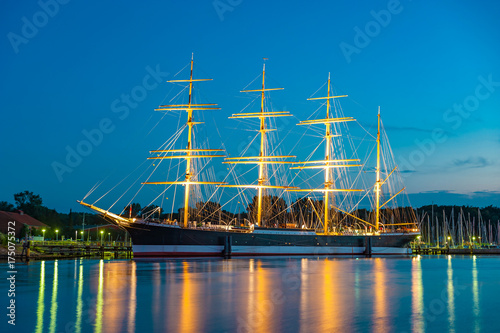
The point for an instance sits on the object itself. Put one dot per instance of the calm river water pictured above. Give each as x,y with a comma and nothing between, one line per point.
427,294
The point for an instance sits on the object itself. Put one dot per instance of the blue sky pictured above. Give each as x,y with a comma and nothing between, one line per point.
432,66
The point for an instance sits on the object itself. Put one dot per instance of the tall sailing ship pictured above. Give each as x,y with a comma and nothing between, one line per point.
337,231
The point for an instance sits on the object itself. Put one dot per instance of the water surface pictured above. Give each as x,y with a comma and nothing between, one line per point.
431,294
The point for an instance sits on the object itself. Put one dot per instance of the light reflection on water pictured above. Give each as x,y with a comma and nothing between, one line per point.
419,294
451,297
79,301
53,307
41,303
100,299
475,296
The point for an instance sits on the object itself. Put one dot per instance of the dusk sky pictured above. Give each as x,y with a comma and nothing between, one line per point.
432,66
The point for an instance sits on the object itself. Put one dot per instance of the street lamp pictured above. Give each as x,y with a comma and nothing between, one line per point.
102,231
109,237
43,230
82,235
57,234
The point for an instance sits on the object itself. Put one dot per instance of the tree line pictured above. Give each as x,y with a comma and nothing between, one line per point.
32,204
276,212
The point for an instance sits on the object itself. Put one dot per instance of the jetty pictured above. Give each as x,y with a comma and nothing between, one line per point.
456,232
72,249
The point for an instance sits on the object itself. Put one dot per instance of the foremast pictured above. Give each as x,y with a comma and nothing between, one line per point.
328,163
263,159
189,153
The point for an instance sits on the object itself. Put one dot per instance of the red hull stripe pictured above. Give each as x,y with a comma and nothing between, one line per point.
250,254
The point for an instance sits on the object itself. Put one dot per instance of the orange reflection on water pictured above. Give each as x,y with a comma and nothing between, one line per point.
304,292
266,306
254,316
189,320
133,298
327,302
380,289
157,293
329,307
116,287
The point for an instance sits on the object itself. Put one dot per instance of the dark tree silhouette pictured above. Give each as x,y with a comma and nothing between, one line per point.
6,206
136,209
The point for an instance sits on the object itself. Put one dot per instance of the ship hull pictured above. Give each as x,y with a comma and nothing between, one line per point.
166,241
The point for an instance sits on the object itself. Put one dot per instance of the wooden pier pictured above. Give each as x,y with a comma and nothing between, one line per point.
45,250
460,251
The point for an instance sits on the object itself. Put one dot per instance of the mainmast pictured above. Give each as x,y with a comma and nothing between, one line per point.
263,159
327,163
262,147
189,151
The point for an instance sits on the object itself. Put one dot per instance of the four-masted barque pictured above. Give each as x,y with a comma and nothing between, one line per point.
156,237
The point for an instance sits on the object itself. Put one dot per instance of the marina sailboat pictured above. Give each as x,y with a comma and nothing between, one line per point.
338,231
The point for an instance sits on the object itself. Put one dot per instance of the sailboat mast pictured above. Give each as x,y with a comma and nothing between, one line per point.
327,158
377,184
262,149
188,153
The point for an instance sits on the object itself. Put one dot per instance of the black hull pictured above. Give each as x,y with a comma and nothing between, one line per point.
167,241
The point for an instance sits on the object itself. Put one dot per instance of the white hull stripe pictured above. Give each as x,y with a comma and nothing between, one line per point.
172,250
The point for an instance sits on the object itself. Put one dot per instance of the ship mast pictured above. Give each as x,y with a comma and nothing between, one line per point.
262,131
327,163
377,184
189,151
327,159
263,159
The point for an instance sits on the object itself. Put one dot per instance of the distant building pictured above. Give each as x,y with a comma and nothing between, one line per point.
20,220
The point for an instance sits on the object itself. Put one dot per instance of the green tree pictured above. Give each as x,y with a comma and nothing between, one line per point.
273,210
6,206
136,209
208,211
28,202
277,210
252,210
302,211
25,231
